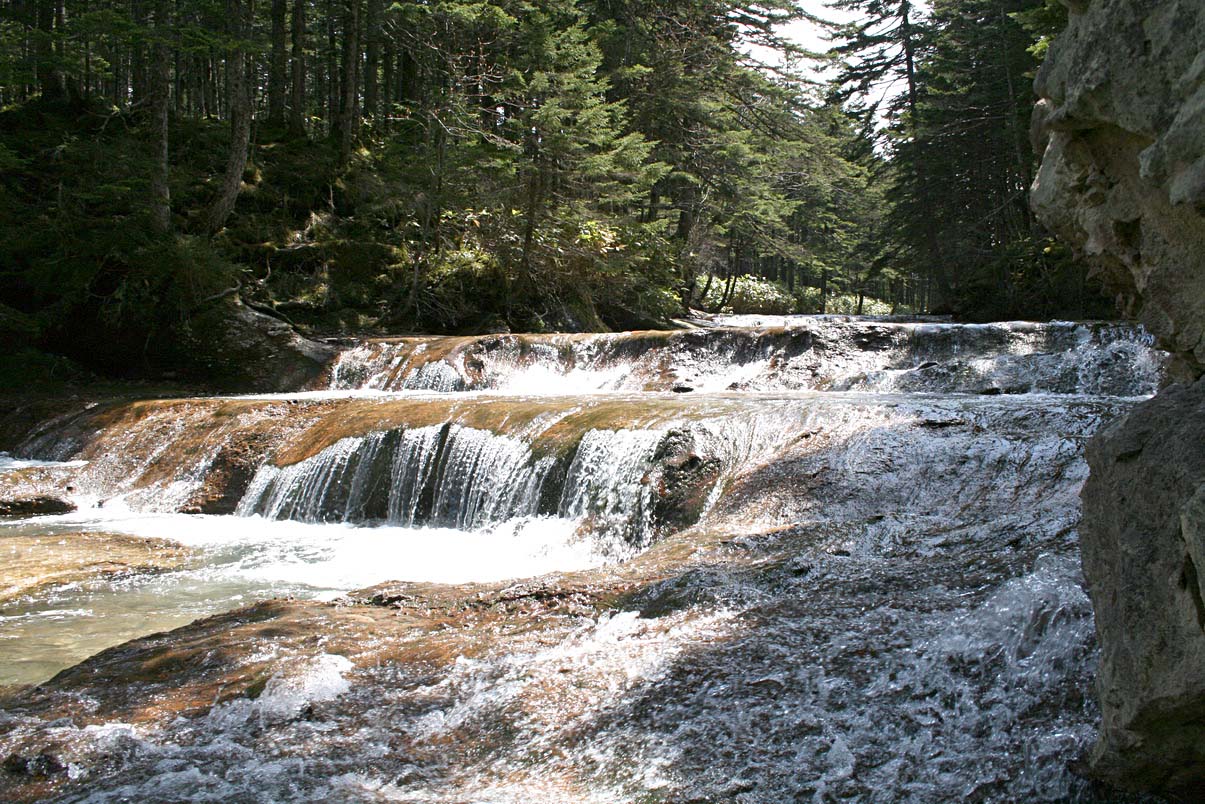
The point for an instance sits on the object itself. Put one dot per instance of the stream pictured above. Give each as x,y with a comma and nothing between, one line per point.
837,560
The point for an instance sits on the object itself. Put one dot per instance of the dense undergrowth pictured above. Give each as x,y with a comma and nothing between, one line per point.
88,284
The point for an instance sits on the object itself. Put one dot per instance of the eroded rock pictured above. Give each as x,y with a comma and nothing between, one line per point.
245,350
1144,552
1121,125
40,505
37,561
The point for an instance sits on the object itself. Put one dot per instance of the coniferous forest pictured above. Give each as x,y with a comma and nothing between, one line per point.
355,166
612,401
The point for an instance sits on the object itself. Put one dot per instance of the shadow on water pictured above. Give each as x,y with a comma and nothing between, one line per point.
887,607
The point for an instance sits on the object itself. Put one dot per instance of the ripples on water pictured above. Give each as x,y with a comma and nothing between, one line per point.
897,612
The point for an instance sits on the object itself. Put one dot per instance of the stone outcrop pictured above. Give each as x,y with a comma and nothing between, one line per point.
242,349
33,563
1143,541
37,505
1121,125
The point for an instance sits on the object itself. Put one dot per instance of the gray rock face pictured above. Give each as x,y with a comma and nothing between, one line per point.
1121,125
246,350
1143,542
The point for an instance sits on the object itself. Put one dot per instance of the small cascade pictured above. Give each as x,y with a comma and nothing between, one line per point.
443,476
606,485
452,476
807,354
853,545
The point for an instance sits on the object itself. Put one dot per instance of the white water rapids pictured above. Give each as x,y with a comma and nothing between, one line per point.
894,611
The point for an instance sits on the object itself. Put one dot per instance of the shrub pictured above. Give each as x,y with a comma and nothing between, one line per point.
751,295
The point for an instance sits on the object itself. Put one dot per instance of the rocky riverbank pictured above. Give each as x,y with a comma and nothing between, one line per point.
1122,127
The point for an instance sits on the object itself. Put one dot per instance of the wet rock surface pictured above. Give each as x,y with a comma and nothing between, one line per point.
1122,127
40,505
1144,544
796,353
33,562
923,605
759,595
246,350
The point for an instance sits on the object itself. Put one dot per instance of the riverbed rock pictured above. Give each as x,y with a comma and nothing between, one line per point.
40,505
1144,557
683,478
1121,124
36,561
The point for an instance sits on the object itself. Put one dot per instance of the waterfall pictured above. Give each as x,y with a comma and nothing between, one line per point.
853,543
466,478
606,483
447,476
799,354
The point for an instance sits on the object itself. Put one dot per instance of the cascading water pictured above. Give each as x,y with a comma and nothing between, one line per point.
806,559
466,479
449,476
796,353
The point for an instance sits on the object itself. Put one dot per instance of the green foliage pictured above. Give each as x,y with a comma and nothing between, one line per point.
1043,21
752,295
957,226
458,165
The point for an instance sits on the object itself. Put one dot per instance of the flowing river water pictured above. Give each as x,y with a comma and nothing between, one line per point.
838,560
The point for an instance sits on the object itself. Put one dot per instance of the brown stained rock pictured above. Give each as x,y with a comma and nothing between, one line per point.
29,563
218,444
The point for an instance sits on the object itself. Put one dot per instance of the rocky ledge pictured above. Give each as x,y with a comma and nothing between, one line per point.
38,505
1121,125
1144,552
33,562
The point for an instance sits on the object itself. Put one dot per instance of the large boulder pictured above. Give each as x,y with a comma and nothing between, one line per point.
1143,540
242,349
36,505
1121,125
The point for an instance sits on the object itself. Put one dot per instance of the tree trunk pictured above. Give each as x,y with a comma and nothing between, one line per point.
529,226
388,81
297,97
239,103
160,83
332,70
706,289
349,119
50,80
278,65
87,59
138,82
936,263
372,60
